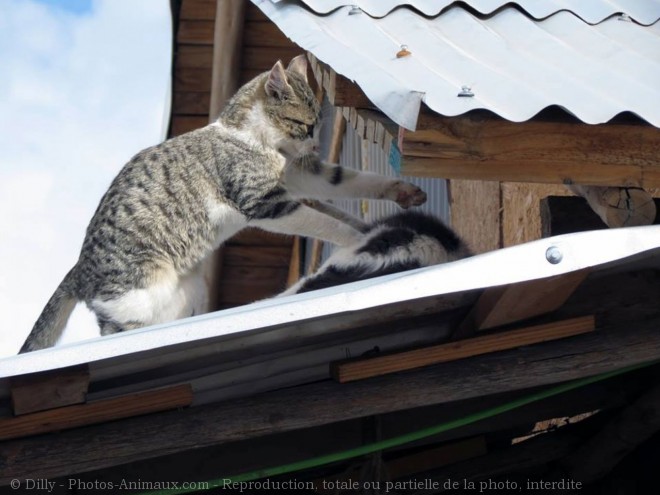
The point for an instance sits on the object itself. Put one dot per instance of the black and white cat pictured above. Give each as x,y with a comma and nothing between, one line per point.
403,241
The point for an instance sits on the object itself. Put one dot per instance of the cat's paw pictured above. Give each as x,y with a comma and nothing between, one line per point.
407,195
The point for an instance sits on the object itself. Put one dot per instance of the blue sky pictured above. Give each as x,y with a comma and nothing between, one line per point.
84,85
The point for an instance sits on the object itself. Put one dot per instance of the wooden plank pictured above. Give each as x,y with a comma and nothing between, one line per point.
253,13
50,389
521,210
485,148
630,343
258,237
68,417
264,57
227,45
476,213
456,166
185,123
265,34
246,284
198,9
360,369
271,256
196,56
191,103
195,32
188,79
505,304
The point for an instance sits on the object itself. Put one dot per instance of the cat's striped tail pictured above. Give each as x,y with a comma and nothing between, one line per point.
53,318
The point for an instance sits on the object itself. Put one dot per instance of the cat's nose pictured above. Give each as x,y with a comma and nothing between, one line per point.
310,130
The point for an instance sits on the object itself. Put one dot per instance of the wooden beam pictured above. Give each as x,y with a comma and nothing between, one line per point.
227,46
191,103
186,123
632,342
273,256
483,148
64,418
194,32
265,34
293,446
197,56
360,369
619,206
505,304
192,79
198,9
48,390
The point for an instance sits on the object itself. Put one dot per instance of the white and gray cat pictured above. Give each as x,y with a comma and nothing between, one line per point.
173,204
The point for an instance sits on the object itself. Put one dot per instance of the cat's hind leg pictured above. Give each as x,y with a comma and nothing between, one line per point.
169,297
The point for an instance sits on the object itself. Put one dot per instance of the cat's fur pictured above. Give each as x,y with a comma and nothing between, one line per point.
403,241
175,203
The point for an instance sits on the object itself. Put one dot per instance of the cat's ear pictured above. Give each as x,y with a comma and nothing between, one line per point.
276,84
299,66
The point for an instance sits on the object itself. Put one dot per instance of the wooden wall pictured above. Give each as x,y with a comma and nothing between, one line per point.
193,62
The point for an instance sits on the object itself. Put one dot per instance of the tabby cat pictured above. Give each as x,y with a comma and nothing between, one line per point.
400,242
173,204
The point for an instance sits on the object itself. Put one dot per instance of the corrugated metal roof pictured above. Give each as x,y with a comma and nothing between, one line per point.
290,340
513,65
591,11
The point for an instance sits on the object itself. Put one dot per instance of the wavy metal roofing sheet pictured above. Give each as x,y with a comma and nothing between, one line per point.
591,11
513,65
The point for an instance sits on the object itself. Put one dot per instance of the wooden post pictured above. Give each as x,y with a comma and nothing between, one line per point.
619,206
227,44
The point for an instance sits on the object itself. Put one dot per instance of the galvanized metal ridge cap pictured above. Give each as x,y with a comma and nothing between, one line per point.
534,260
645,12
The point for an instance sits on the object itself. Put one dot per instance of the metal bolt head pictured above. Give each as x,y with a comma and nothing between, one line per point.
554,255
354,10
466,92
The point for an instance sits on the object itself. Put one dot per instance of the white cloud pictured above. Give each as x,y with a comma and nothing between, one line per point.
79,95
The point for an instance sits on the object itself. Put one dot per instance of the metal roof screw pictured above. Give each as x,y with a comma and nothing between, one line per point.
354,10
466,92
403,51
554,255
625,17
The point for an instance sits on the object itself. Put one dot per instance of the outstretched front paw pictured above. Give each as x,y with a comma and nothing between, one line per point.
407,195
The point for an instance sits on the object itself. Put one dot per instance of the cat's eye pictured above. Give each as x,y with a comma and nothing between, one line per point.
295,121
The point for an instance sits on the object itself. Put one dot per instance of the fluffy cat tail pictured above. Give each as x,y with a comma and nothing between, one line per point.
53,318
